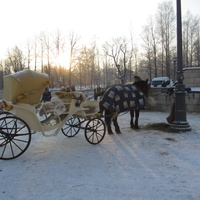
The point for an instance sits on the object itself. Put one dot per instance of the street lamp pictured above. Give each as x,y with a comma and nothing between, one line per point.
180,123
174,60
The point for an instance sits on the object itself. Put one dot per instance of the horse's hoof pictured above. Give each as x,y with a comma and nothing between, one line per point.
119,132
134,127
110,133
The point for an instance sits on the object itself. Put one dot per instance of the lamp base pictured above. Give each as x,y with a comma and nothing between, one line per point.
180,126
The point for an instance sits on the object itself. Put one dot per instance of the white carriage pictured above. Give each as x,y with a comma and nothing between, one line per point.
20,118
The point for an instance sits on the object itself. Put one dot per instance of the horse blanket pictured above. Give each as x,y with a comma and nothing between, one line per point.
122,98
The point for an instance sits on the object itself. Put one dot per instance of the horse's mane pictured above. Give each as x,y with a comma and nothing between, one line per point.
143,86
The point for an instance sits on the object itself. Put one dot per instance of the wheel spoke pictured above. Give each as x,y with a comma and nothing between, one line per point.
12,142
11,147
3,151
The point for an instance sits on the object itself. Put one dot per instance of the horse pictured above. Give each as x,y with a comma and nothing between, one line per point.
98,91
122,98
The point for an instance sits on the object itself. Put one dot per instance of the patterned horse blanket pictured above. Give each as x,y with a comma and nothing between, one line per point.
122,98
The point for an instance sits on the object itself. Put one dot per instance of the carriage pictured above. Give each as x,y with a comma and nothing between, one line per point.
67,112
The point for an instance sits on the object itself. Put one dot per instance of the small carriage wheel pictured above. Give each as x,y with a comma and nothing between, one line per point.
71,127
95,131
15,137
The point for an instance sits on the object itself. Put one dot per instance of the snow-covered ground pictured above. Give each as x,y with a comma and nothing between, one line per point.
144,164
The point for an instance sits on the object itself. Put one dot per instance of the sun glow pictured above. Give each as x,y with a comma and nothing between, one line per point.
63,61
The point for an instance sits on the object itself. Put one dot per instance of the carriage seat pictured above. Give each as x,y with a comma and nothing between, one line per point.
71,95
56,105
53,119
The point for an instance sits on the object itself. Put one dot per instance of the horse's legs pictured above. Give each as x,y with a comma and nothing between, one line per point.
132,116
108,117
117,129
101,109
137,113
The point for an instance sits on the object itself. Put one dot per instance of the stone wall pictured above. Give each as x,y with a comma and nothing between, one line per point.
192,76
192,99
164,101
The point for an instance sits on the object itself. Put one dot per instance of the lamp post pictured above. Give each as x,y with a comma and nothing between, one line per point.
174,60
180,123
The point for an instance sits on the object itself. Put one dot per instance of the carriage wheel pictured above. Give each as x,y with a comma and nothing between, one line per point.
5,114
95,131
15,137
71,127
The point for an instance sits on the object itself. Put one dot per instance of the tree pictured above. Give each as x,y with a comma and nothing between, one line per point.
119,51
147,45
73,39
15,60
197,46
133,58
190,39
28,58
58,51
166,31
59,46
1,74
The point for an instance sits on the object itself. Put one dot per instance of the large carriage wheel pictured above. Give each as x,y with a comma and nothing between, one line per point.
15,137
5,114
71,127
95,131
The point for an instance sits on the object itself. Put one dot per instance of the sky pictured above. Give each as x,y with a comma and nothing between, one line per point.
103,20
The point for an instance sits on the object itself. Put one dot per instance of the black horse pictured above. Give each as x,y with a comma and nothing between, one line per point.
99,91
122,98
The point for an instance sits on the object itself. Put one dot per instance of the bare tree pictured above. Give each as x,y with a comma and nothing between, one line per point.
197,46
133,57
15,60
58,51
73,39
148,51
149,37
1,74
42,48
166,30
106,64
59,44
119,51
36,53
45,52
28,54
190,38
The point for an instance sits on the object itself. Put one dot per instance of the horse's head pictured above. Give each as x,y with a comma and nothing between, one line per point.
98,92
143,86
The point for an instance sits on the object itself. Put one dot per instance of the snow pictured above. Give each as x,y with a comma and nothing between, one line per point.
195,89
187,68
144,164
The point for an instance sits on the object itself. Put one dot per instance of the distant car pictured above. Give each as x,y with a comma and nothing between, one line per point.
161,82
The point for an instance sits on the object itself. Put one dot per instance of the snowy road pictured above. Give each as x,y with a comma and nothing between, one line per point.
145,164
